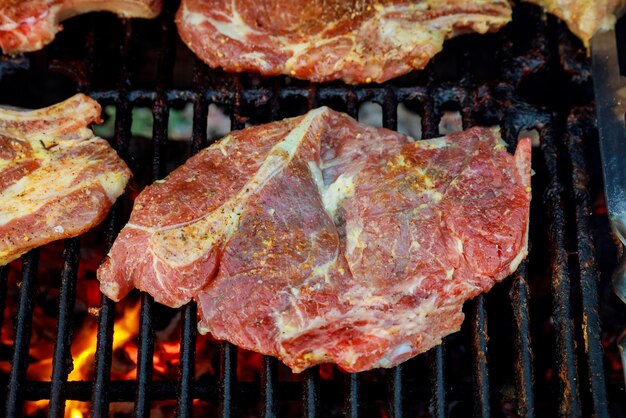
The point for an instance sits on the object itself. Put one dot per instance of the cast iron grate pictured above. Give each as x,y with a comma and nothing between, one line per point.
531,75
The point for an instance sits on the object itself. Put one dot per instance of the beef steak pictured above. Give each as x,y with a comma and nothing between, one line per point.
355,41
29,25
317,239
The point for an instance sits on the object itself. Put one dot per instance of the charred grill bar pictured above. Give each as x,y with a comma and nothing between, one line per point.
508,95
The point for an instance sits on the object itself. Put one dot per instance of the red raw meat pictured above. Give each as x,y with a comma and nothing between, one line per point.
317,239
355,41
29,25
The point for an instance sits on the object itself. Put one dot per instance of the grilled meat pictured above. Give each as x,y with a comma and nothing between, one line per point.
355,41
29,25
317,239
57,180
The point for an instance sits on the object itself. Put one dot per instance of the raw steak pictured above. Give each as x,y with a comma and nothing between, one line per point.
584,17
29,25
316,239
57,180
355,41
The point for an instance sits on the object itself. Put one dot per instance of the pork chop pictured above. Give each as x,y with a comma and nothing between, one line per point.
29,25
584,17
355,41
57,180
317,239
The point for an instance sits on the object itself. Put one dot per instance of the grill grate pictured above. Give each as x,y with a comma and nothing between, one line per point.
550,373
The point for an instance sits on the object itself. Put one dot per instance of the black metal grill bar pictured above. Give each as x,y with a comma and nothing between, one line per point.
104,342
430,129
23,327
102,365
62,354
390,109
123,109
269,385
352,381
430,118
396,387
589,275
519,295
269,368
144,356
262,95
437,405
187,360
210,391
352,403
90,55
228,352
160,112
235,102
200,113
395,397
190,311
479,357
310,391
478,316
228,379
569,402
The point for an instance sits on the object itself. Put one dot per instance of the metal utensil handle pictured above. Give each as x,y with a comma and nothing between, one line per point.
610,92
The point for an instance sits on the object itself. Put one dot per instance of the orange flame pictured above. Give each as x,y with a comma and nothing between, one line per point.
125,329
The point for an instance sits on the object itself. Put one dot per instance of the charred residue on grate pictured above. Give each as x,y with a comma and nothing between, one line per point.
519,351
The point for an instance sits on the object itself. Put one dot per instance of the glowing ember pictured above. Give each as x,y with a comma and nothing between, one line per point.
167,359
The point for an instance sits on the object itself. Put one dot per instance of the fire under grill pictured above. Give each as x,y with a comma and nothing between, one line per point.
533,346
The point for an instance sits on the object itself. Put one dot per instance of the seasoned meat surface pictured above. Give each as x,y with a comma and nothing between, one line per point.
357,41
29,25
57,180
584,17
317,239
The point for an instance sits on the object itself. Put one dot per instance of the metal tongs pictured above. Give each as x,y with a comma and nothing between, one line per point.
610,92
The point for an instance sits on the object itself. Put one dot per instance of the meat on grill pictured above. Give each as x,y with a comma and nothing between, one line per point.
584,17
355,41
317,239
29,25
57,180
